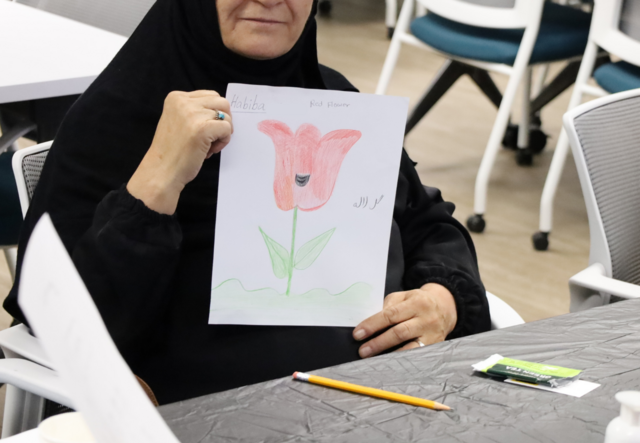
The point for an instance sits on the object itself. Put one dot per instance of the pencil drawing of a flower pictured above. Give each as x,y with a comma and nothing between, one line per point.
307,164
307,167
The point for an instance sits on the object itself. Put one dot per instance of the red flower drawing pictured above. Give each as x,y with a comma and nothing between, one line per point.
307,164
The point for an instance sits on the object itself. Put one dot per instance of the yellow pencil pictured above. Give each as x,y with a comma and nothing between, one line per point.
372,392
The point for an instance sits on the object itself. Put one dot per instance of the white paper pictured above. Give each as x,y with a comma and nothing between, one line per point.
577,388
341,234
66,321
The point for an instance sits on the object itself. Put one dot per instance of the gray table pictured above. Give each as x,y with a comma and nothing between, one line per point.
605,342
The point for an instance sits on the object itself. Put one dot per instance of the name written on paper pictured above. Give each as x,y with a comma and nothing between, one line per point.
247,104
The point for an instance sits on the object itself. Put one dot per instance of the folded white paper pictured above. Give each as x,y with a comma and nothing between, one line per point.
66,321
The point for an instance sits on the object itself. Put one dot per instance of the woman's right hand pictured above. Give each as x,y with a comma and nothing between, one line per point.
186,136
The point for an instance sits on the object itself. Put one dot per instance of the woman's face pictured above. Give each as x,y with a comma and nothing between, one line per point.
262,29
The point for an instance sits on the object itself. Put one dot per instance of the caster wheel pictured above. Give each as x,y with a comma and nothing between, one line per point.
390,32
537,140
524,157
540,241
510,139
325,7
476,223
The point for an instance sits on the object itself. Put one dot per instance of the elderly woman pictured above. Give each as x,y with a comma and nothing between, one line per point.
131,186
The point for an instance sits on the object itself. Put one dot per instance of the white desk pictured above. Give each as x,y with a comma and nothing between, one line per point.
44,55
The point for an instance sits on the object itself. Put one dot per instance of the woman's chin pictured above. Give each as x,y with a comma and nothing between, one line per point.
262,53
261,48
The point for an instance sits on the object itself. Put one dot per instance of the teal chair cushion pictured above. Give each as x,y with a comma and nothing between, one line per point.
563,34
618,77
10,212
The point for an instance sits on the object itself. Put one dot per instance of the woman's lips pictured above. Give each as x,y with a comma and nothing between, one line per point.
264,21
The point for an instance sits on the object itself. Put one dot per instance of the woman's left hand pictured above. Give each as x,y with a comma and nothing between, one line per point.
427,314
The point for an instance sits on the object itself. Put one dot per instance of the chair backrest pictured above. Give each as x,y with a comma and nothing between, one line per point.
117,16
615,27
502,14
27,165
630,19
605,139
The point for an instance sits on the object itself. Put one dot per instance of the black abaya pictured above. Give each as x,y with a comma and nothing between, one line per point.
150,274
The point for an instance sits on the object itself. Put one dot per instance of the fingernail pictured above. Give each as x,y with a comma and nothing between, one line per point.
359,334
365,352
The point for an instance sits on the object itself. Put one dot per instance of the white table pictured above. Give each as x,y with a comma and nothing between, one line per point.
44,55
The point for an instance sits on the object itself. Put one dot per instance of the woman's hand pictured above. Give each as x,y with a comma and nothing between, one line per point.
188,133
427,314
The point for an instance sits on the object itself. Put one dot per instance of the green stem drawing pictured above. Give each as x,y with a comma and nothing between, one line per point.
293,244
284,261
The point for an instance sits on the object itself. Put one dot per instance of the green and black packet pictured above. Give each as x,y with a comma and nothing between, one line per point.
536,373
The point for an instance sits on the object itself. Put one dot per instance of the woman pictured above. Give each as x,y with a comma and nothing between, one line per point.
131,186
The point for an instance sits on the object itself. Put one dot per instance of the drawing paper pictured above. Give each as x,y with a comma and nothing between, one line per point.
305,205
66,321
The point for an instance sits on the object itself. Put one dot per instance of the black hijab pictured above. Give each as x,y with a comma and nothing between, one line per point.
107,132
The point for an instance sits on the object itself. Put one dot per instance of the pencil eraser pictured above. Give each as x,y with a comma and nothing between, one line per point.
295,374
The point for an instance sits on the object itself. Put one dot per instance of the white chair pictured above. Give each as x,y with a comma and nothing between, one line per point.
612,29
605,140
475,33
502,315
27,165
117,16
26,369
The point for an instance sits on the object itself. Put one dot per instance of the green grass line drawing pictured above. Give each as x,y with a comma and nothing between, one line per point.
231,294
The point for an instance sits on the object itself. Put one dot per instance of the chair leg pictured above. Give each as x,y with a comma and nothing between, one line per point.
557,86
541,77
394,48
13,411
541,238
486,84
11,254
450,72
476,222
562,82
390,17
524,156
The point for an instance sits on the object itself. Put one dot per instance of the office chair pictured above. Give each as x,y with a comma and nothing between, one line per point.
504,36
616,29
604,135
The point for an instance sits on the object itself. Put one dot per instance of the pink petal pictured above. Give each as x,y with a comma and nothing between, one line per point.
307,139
328,156
284,178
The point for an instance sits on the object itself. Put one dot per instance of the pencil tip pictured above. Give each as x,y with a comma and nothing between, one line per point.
442,407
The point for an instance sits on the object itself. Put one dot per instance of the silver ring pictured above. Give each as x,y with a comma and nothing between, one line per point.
422,345
219,116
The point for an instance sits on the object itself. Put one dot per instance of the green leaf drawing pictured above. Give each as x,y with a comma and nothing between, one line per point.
310,251
279,256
